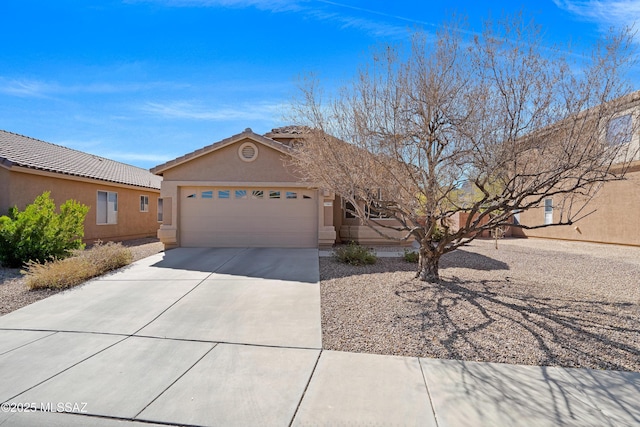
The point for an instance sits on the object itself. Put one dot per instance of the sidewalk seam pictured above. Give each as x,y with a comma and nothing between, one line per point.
313,371
426,386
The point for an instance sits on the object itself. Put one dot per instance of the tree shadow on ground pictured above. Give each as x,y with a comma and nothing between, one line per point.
461,258
456,259
486,320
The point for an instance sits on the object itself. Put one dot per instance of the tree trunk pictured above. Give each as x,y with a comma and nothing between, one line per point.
428,266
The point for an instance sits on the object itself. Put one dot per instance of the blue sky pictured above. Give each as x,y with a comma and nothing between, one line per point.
146,81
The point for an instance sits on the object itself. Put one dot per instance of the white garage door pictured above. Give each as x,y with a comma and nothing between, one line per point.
239,217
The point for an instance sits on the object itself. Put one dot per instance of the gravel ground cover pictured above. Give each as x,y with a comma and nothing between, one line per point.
531,302
14,294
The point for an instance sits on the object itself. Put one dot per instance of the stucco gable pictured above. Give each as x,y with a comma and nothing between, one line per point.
225,163
247,135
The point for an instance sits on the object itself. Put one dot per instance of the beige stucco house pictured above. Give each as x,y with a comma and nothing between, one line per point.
123,199
613,212
242,191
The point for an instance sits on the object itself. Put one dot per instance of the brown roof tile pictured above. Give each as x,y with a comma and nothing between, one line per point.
35,154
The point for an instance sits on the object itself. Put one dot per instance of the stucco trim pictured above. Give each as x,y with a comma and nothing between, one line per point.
235,184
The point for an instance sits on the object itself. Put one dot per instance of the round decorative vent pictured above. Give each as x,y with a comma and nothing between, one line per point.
248,151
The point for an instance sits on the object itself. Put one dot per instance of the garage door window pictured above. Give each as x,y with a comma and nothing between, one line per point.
273,194
207,195
224,194
241,194
257,194
292,195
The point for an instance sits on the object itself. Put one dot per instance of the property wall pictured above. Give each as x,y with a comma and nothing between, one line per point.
226,166
132,223
616,218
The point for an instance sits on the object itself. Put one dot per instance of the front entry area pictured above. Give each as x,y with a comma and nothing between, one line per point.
248,217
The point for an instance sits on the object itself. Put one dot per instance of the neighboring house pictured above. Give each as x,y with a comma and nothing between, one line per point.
615,207
242,191
123,199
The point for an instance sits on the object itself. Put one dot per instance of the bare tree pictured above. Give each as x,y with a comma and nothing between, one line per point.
498,112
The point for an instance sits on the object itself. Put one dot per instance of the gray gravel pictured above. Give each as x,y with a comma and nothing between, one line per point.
531,302
14,294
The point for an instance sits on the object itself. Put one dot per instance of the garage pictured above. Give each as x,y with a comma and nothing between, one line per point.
248,217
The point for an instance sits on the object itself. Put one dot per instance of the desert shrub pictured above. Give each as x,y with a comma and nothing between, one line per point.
411,256
354,254
39,233
83,265
108,256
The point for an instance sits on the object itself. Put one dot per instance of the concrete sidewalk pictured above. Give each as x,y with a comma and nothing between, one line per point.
232,337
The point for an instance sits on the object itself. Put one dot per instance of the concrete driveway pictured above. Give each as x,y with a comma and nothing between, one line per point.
190,336
209,337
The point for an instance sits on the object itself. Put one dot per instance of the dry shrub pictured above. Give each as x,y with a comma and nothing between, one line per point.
84,265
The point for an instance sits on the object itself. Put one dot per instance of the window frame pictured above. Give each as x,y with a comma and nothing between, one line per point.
110,206
144,203
160,211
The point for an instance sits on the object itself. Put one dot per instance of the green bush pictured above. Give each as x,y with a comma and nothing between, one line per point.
411,256
355,254
83,265
39,233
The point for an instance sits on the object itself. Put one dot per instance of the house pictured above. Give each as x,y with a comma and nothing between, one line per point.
612,215
242,191
123,199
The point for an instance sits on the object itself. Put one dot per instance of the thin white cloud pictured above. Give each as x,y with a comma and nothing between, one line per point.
191,111
271,5
607,13
41,89
346,16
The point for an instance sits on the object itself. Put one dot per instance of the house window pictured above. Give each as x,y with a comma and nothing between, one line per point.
373,213
224,194
548,211
144,203
160,210
273,194
619,130
107,208
349,210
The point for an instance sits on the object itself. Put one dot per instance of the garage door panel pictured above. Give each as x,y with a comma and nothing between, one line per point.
247,221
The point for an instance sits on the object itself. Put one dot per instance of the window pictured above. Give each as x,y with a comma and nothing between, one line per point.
373,213
292,195
144,203
191,196
349,210
257,194
548,211
160,209
619,130
207,194
224,194
107,208
273,194
241,194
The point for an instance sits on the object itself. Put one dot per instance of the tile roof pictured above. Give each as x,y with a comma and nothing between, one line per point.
35,154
